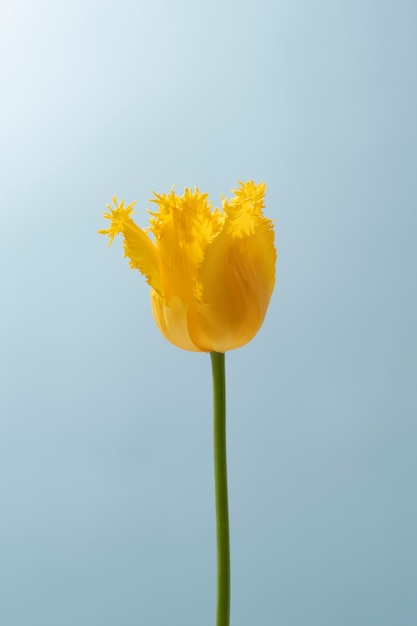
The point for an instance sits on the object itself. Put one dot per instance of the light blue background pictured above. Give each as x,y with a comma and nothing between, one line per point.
106,486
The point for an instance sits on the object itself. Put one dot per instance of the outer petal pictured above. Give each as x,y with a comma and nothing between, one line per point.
138,247
237,277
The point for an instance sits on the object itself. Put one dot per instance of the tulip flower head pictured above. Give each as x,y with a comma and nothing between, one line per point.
211,272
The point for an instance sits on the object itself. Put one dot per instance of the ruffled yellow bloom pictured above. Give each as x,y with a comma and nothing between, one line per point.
211,273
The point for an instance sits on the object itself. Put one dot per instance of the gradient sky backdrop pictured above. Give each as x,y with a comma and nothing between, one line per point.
106,487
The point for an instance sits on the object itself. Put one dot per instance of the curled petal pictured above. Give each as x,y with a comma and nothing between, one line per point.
137,245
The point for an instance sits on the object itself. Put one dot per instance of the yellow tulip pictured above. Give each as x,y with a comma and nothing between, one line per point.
211,273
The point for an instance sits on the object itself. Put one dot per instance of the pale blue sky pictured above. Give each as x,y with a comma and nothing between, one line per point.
106,488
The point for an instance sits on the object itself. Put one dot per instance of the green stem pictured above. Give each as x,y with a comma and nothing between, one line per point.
220,487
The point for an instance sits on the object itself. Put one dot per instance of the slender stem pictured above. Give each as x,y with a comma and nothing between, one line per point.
220,487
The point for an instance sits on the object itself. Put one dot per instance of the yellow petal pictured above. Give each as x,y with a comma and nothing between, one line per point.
244,209
182,228
172,321
137,245
179,324
238,275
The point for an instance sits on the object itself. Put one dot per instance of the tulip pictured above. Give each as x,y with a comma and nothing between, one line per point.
211,272
211,275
